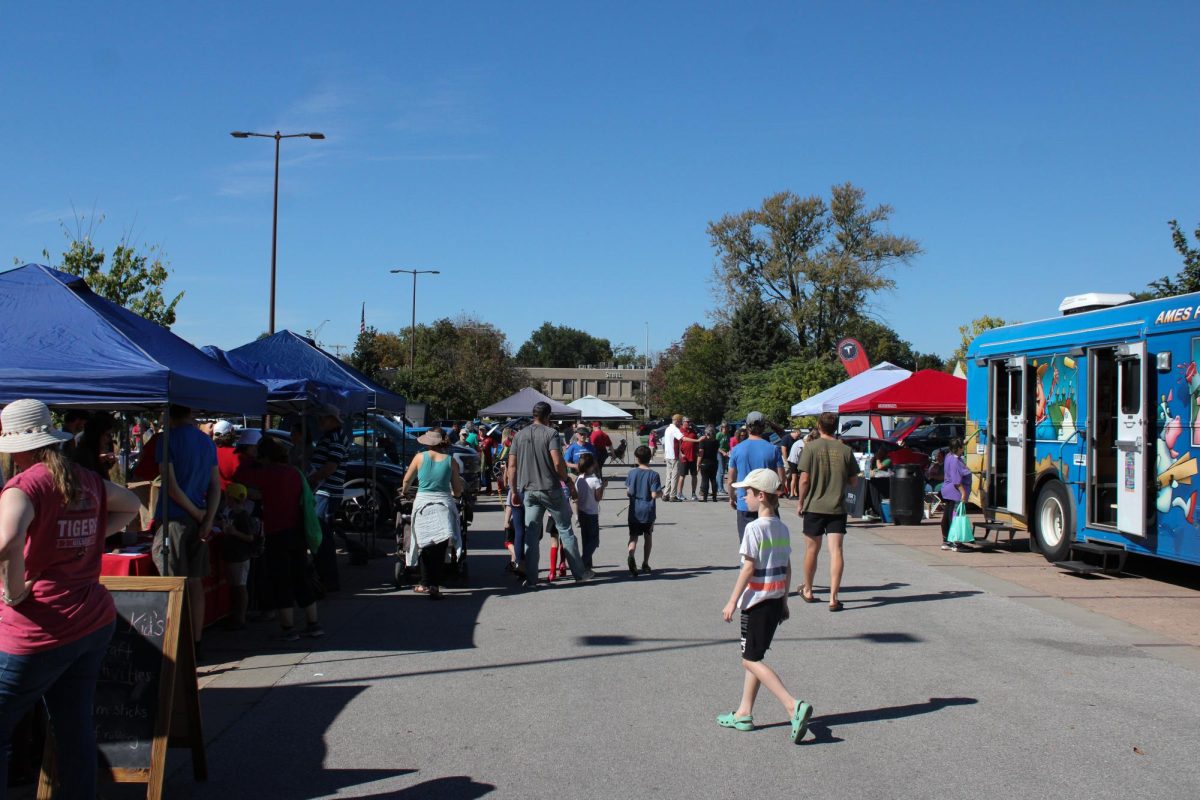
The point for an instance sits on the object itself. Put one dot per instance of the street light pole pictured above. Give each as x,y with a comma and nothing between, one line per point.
412,331
277,136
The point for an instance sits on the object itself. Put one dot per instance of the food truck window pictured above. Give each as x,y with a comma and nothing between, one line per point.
1014,391
1131,385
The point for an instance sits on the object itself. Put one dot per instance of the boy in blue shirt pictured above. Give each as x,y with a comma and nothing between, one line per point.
643,486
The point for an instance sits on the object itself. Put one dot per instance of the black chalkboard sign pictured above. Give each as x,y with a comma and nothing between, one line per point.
131,679
146,696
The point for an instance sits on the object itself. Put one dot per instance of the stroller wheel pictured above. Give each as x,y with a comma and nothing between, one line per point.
398,575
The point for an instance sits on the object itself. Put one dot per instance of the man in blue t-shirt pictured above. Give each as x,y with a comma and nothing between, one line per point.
579,445
192,495
643,487
754,453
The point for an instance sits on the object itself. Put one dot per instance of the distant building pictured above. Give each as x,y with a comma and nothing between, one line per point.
624,386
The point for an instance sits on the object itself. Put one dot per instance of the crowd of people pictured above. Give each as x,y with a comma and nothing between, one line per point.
274,504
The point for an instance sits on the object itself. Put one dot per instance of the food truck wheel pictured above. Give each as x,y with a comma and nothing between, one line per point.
1052,523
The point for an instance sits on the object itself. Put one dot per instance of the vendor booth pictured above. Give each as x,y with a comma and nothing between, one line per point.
521,405
927,392
69,347
592,407
877,377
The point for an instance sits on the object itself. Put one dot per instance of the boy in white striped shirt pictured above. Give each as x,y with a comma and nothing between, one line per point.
761,592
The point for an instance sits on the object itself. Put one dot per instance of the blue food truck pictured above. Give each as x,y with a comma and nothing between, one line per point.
1084,429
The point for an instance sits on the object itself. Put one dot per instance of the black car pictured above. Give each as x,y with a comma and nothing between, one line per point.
929,438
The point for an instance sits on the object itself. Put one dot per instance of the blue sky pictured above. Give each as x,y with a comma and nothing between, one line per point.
560,161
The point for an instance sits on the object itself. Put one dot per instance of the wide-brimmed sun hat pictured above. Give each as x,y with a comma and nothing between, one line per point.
434,437
26,425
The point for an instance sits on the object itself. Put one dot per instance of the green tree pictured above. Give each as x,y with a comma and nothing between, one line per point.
693,377
1188,279
133,280
967,334
817,263
561,346
461,365
758,339
775,390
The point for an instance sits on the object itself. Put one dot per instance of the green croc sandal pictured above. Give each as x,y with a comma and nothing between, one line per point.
737,723
800,716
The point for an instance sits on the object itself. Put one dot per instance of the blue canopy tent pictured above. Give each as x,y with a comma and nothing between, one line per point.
66,346
296,371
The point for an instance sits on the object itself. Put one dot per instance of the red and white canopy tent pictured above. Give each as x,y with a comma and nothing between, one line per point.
927,392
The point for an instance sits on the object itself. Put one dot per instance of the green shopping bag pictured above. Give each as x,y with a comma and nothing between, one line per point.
961,531
313,534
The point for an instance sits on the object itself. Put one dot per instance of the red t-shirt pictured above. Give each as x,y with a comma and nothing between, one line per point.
687,450
280,487
600,441
62,556
233,466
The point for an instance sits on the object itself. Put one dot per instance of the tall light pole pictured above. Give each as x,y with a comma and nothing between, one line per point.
412,331
277,136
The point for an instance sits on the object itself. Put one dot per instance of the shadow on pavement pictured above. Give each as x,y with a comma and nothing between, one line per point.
875,602
822,726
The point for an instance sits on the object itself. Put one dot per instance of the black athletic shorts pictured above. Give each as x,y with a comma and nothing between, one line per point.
687,468
638,528
758,627
820,524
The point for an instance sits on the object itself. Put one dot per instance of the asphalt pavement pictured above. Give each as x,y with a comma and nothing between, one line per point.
927,685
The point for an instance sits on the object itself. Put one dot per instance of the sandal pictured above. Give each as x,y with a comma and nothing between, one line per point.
800,716
836,605
421,589
808,598
732,720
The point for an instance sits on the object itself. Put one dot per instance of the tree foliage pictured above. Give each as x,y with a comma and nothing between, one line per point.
132,279
1188,279
462,365
818,264
693,376
758,339
563,347
775,390
967,334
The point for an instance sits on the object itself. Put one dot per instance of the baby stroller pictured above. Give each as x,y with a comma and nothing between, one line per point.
406,569
618,453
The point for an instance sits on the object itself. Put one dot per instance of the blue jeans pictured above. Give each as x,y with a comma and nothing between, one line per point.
722,465
66,678
589,532
537,503
325,559
527,543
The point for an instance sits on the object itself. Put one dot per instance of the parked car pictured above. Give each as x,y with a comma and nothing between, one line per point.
929,438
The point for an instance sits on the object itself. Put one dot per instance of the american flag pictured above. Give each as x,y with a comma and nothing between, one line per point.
362,325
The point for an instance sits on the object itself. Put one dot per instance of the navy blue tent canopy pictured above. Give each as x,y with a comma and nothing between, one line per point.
288,395
67,346
295,370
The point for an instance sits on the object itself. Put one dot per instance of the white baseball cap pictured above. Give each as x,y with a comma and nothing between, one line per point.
222,427
764,480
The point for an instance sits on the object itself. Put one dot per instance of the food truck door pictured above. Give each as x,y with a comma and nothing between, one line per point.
1017,439
1132,438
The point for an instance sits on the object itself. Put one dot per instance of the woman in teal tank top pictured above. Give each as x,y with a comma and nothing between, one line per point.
435,515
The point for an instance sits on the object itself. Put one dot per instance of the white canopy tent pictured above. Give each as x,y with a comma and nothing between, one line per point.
878,377
592,407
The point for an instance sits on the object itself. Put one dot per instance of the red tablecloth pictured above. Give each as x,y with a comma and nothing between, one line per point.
216,585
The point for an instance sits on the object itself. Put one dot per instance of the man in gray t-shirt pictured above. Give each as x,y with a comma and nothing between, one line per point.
536,473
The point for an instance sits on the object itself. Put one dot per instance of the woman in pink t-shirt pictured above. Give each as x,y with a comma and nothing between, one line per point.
55,617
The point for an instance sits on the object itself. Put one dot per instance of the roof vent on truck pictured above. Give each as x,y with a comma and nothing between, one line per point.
1079,303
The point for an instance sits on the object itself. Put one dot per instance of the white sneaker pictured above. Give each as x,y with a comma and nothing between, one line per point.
947,546
694,498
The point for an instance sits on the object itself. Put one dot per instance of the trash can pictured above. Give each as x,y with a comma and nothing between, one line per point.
907,494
